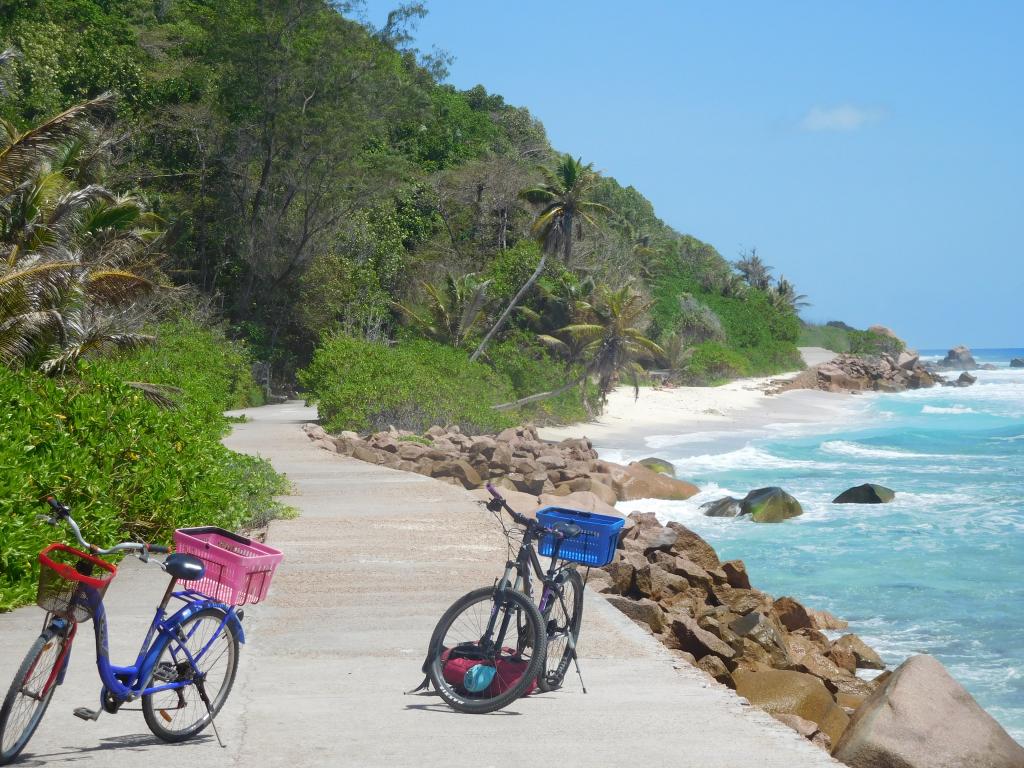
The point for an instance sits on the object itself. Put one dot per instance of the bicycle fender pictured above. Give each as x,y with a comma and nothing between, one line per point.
192,608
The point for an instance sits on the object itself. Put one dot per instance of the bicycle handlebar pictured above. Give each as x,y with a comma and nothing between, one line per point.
63,513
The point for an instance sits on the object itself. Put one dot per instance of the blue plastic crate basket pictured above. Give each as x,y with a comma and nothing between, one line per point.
595,546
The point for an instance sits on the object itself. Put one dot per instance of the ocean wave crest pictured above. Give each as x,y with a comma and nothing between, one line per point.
951,409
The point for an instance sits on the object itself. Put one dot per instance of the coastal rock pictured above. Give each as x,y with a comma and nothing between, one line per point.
727,507
714,667
791,614
882,330
796,693
458,469
853,373
662,466
825,620
641,611
868,493
958,358
965,379
807,729
602,491
922,718
866,657
693,547
655,582
908,360
1017,362
693,639
638,482
770,505
582,500
736,574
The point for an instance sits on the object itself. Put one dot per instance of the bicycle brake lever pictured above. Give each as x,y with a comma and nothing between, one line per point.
45,519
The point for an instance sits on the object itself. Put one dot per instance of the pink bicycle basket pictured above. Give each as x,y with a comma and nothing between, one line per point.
238,570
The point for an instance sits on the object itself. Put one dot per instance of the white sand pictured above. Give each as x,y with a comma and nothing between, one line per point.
725,414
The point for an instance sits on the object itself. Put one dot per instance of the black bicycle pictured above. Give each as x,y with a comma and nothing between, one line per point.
496,644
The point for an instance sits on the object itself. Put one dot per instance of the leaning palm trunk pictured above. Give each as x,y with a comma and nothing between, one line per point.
540,395
499,324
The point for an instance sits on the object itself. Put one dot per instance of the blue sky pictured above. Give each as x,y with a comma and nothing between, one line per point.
870,151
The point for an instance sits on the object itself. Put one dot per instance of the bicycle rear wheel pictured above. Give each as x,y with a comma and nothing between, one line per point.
498,639
178,714
30,694
563,617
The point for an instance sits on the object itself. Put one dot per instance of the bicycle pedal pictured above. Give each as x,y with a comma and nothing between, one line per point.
84,713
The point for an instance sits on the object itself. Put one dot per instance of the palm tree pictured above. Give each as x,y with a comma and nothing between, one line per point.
453,311
564,196
606,340
72,257
785,295
755,271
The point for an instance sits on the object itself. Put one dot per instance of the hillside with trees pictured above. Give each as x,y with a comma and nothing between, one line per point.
313,177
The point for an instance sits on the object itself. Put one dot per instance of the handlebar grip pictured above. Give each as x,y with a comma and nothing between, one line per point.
158,549
56,506
493,491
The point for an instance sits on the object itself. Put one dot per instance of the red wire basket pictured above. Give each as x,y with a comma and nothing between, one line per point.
65,576
238,570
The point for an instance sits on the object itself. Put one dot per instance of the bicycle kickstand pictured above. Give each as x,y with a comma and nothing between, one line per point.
209,709
576,661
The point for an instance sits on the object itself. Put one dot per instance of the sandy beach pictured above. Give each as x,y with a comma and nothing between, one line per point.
723,415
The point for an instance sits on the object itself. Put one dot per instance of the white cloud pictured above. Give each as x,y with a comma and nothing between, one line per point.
845,117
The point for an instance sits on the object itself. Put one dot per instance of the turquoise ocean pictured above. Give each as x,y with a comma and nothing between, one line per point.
939,570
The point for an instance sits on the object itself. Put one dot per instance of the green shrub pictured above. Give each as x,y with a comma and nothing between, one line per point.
712,363
127,468
842,338
531,369
213,372
361,385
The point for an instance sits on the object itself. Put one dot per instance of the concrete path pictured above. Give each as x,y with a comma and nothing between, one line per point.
373,561
817,355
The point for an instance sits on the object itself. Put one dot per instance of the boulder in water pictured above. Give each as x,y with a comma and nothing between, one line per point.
959,358
1017,362
727,507
662,466
965,379
869,493
923,718
770,505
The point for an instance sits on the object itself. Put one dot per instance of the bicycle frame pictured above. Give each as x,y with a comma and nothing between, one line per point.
528,560
129,682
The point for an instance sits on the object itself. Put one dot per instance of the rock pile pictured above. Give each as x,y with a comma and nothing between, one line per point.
516,459
851,373
773,652
958,359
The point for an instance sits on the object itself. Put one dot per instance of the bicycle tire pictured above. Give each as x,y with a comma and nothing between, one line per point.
529,635
562,621
36,668
156,707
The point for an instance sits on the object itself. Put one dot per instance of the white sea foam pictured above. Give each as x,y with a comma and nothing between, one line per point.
658,442
747,457
952,409
846,448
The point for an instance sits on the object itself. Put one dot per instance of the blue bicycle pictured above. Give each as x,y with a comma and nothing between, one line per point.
187,663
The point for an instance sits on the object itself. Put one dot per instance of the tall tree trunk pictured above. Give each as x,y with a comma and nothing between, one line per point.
511,306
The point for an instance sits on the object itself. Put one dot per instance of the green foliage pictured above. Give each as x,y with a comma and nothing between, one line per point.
531,368
213,372
126,467
713,363
840,337
363,386
763,334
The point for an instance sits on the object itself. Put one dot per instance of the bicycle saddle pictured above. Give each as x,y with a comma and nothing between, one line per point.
567,530
184,567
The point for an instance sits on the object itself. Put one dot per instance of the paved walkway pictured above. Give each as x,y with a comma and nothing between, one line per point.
370,565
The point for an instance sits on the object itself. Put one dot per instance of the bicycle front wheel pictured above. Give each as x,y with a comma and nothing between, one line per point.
487,650
30,694
563,617
203,653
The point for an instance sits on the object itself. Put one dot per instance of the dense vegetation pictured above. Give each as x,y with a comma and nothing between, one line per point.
320,178
840,337
127,468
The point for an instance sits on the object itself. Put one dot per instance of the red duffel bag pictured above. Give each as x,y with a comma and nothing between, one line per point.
508,669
